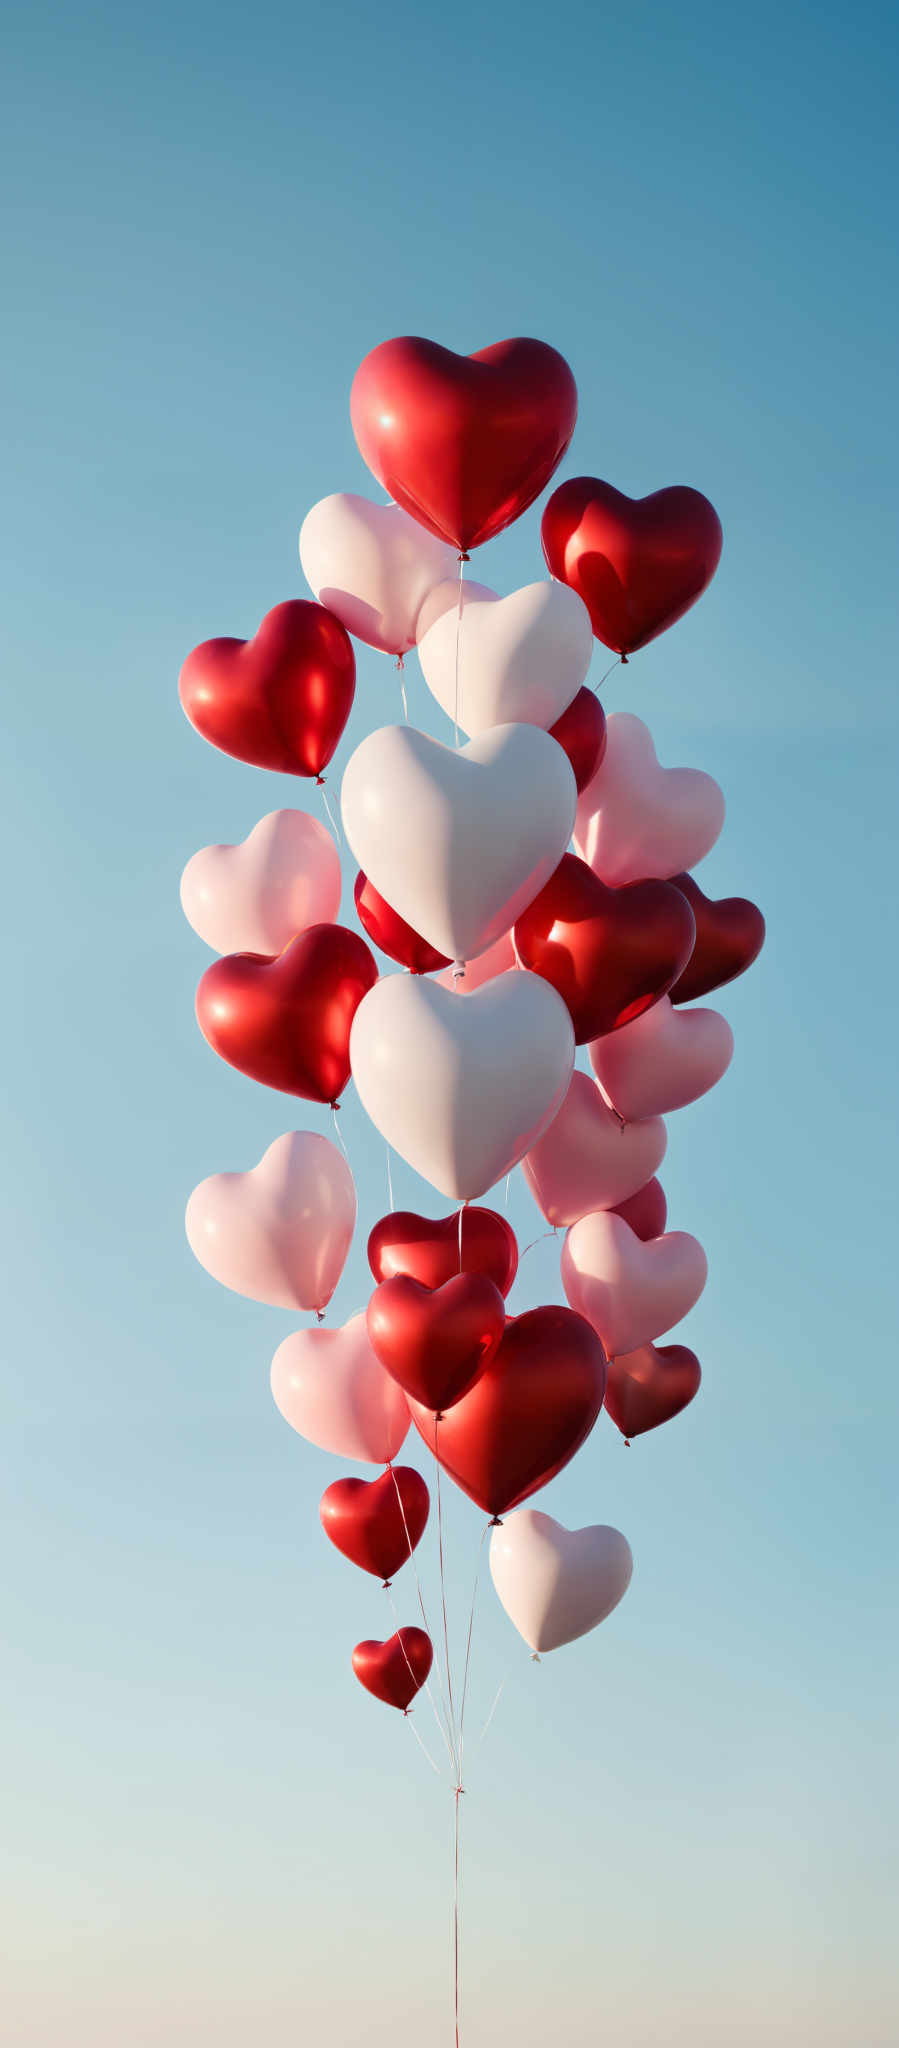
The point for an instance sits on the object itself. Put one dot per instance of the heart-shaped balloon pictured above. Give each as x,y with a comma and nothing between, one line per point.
630,1291
611,953
497,960
458,842
638,563
581,734
372,566
377,1523
637,819
436,1343
280,700
432,1251
663,1060
464,443
392,933
585,1161
462,1088
527,1415
286,1022
255,897
333,1391
645,1388
396,1670
646,1212
281,1232
730,934
555,1583
520,658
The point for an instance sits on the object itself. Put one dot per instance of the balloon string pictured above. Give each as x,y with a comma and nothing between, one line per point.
474,1594
339,1134
390,1184
401,668
440,1547
457,693
508,1185
422,1744
492,1711
426,1688
604,679
428,1630
332,821
537,1240
461,1214
457,1905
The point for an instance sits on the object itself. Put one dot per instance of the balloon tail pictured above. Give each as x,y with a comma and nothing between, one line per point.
458,972
536,1657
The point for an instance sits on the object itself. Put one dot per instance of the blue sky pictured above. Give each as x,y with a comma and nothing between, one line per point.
677,1831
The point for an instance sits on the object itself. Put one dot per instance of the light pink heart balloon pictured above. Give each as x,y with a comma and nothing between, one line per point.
556,1583
630,1291
279,1233
585,1161
373,566
636,819
663,1060
497,960
331,1388
256,896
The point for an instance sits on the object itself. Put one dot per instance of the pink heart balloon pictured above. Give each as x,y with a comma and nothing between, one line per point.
637,820
256,896
585,1161
630,1291
333,1391
372,566
556,1583
662,1060
281,1232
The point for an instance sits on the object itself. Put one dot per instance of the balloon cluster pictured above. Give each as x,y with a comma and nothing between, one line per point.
518,951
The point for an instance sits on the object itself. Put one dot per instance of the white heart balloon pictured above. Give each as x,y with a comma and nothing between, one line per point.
636,819
555,1583
458,843
663,1060
585,1161
521,657
372,566
461,1087
256,896
629,1290
281,1232
331,1388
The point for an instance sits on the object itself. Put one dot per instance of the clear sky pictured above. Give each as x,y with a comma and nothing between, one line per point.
677,1830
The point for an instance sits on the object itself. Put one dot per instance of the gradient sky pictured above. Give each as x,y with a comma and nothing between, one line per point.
677,1830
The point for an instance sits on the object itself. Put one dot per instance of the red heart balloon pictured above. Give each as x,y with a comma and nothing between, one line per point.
581,734
280,700
646,1212
436,1343
464,443
392,933
730,934
377,1523
647,1387
286,1022
638,563
432,1250
610,953
396,1670
531,1409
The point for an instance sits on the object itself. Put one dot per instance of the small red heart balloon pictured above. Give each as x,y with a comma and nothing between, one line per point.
433,1249
610,953
436,1343
392,933
464,443
527,1415
638,563
730,934
646,1387
286,1022
581,734
396,1670
280,700
646,1212
377,1523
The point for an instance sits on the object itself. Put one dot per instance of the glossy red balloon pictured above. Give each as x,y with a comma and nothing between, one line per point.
377,1523
650,1385
280,700
730,934
429,1248
436,1343
611,953
396,1670
286,1022
646,1212
638,563
527,1415
392,933
464,443
581,734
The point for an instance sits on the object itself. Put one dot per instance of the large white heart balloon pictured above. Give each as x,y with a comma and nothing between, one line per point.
637,819
556,1583
461,1086
372,566
521,657
281,1232
331,1388
255,897
585,1160
629,1290
663,1060
458,843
